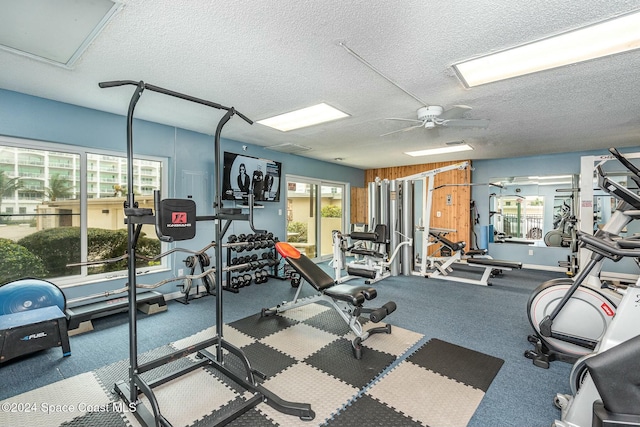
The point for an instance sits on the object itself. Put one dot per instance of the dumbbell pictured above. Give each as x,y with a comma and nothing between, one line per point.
247,279
234,282
265,276
295,280
232,238
234,261
257,277
254,257
260,276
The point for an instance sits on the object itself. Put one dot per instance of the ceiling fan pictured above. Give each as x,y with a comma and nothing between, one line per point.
435,115
429,116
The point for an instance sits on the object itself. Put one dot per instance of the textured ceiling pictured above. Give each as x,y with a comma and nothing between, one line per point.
269,57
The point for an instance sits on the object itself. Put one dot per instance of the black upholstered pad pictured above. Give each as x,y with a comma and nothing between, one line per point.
321,281
355,295
495,263
311,272
367,252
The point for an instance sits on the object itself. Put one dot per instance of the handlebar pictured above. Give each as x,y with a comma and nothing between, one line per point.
164,91
626,163
612,249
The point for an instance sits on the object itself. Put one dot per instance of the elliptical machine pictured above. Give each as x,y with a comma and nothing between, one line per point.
570,316
607,392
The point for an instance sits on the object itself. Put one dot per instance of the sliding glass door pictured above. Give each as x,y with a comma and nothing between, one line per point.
314,209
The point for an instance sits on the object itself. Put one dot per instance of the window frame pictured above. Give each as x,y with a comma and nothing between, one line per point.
83,152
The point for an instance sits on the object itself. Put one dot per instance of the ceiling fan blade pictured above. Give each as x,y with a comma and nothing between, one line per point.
455,112
404,120
402,130
461,123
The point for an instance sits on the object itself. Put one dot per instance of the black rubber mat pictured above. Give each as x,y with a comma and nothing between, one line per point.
336,359
266,359
99,418
259,327
458,363
330,321
367,411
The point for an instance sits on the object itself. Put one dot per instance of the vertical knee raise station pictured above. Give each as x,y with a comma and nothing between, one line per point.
130,390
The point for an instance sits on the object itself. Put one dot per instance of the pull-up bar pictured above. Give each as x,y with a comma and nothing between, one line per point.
135,218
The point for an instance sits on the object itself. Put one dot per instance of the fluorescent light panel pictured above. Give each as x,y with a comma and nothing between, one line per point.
309,116
441,150
53,31
595,41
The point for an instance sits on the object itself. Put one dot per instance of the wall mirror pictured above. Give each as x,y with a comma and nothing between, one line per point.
533,209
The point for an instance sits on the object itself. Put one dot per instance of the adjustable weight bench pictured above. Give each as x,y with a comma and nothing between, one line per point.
347,300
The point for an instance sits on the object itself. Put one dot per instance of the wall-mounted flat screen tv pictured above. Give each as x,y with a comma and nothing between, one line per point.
246,174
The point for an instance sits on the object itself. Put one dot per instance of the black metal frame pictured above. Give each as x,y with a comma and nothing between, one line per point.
135,218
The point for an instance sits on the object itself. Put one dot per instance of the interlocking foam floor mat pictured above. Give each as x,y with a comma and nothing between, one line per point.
306,356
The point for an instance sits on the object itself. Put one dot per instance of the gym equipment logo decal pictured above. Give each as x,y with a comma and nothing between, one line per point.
179,219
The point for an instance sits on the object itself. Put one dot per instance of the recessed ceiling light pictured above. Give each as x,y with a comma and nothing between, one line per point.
609,37
441,150
309,116
57,32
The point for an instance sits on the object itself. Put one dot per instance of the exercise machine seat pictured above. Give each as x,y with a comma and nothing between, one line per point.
515,265
320,280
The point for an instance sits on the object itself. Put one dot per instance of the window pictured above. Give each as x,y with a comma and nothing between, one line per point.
69,204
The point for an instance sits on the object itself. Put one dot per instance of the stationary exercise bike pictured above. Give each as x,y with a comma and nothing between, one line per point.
570,317
608,390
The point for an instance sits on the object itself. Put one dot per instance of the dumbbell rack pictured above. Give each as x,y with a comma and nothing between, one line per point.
240,266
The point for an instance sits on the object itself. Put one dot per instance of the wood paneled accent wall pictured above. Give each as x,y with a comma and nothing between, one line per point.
456,215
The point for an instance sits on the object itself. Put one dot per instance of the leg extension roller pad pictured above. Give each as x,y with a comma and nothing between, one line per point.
382,312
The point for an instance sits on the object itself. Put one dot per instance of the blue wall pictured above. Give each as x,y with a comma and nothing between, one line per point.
24,116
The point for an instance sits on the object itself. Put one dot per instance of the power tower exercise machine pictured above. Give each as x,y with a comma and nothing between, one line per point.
175,220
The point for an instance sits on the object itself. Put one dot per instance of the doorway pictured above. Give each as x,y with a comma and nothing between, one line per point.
314,209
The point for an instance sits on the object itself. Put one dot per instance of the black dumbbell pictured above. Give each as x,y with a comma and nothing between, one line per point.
232,238
242,237
247,279
261,276
234,282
